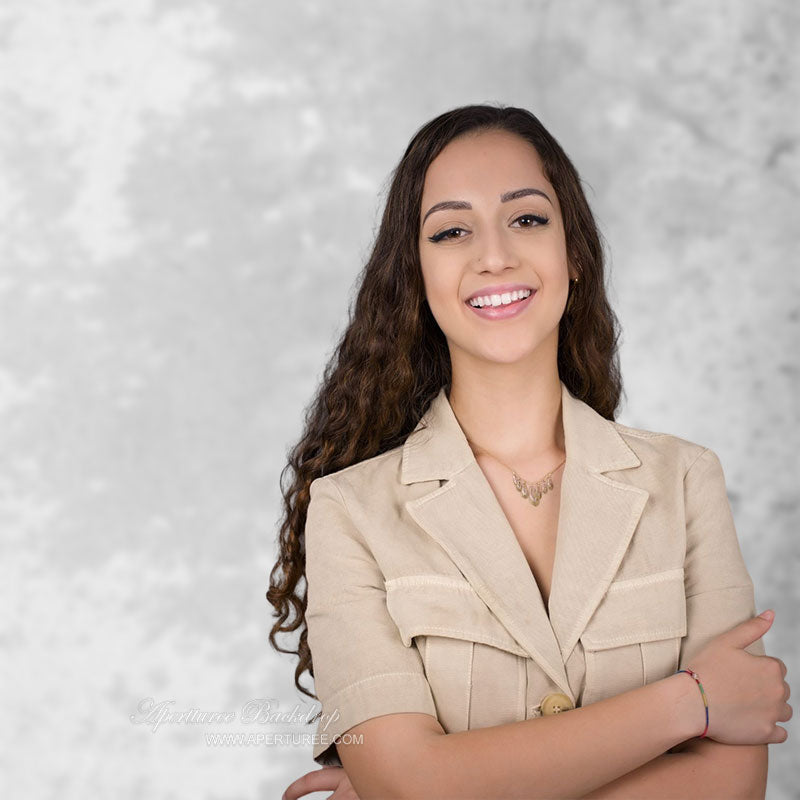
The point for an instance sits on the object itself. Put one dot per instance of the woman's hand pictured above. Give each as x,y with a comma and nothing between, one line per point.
747,694
321,780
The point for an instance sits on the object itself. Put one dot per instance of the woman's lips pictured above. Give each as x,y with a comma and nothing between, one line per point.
503,312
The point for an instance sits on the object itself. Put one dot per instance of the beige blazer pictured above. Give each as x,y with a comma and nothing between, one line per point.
421,599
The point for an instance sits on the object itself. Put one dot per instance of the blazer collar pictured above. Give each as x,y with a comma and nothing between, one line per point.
597,518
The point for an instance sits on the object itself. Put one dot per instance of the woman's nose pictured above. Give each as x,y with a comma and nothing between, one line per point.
494,251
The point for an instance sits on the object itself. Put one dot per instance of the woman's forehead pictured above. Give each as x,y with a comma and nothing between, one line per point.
486,166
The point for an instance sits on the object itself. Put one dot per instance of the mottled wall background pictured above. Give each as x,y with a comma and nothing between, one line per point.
187,193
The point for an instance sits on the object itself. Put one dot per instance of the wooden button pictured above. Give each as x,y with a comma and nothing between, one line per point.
556,703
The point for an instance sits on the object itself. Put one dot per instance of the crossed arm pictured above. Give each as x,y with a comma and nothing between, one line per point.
578,755
693,769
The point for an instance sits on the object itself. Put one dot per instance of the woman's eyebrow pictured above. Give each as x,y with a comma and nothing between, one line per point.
461,205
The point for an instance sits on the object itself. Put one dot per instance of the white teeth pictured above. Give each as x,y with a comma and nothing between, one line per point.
499,299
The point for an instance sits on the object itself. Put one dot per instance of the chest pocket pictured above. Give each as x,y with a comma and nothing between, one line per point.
634,635
475,668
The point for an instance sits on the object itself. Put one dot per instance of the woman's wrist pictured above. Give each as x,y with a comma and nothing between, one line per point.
689,711
696,678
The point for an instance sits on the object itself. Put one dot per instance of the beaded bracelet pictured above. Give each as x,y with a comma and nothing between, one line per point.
694,675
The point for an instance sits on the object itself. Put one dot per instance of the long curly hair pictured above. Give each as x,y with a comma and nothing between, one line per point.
392,359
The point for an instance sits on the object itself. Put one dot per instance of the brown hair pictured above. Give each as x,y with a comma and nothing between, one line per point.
392,358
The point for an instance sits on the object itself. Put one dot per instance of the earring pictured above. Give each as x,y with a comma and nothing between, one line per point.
574,282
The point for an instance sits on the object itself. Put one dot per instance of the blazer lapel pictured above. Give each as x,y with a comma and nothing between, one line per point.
597,518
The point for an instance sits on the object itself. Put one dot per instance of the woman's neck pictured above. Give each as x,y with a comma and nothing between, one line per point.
517,421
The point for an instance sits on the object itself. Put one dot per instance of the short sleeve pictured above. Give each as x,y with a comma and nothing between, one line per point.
362,669
719,590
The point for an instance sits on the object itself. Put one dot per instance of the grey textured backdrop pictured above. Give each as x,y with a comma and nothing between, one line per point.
187,192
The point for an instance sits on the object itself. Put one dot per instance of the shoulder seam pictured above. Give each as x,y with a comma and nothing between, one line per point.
359,534
699,456
341,497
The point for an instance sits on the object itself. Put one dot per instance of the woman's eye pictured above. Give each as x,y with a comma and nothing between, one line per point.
537,219
437,237
526,220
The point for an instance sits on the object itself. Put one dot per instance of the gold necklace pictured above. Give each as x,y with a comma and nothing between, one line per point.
530,491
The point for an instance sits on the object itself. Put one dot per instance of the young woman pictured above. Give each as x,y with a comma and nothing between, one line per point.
502,582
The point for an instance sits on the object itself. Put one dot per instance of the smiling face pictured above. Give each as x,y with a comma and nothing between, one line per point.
491,227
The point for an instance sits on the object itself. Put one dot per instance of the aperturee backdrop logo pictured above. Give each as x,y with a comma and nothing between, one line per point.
154,715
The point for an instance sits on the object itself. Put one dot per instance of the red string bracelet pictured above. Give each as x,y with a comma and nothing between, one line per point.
691,673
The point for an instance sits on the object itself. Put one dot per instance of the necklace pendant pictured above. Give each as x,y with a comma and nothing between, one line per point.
533,491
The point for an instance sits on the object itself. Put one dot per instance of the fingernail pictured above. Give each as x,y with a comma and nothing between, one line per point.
767,615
